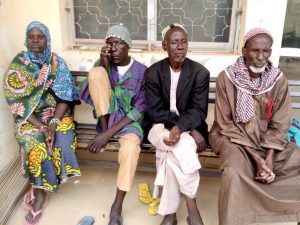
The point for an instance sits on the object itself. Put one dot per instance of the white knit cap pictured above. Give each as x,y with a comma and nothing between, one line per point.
167,28
121,32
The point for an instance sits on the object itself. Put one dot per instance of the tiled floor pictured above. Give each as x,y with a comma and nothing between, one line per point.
93,192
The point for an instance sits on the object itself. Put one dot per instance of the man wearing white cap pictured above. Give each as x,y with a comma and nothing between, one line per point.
176,102
116,89
260,170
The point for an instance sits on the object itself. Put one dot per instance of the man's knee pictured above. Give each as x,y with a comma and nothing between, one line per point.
129,147
97,73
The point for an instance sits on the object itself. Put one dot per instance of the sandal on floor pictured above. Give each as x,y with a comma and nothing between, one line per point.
35,214
153,206
29,198
144,193
87,220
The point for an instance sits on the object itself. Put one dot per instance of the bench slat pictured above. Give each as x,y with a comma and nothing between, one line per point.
145,148
294,82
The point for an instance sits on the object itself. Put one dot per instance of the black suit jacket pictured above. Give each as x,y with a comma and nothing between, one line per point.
191,96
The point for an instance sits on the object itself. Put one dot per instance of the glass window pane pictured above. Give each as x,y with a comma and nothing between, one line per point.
205,20
94,17
291,33
290,66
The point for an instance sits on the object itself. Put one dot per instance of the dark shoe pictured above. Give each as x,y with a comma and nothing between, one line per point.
87,220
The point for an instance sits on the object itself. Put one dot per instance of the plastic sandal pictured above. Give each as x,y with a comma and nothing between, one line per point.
29,199
144,193
87,220
153,206
35,214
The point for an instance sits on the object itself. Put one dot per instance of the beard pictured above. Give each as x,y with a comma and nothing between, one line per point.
257,69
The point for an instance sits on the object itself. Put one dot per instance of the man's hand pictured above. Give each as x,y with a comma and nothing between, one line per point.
264,167
99,142
270,162
200,142
270,159
105,56
174,136
264,173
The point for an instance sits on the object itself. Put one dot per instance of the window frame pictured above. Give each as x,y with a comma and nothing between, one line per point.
151,43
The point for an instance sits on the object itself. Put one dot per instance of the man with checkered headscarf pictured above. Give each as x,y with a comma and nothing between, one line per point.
260,170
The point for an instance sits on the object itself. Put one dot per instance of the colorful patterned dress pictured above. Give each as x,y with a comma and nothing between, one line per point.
29,89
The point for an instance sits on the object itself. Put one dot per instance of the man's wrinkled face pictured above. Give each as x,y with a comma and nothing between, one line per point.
257,52
36,40
176,44
118,50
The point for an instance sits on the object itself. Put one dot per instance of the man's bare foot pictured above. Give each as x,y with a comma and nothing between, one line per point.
169,219
194,221
36,211
115,217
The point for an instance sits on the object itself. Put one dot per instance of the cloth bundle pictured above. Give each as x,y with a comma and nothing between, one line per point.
294,132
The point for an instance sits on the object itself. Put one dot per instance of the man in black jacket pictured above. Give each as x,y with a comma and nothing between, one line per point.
177,101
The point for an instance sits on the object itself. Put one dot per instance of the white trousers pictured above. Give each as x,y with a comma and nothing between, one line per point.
177,169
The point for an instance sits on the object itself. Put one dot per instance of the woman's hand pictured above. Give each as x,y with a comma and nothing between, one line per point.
49,135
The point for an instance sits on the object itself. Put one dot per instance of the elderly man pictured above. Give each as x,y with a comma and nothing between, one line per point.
176,102
260,170
116,89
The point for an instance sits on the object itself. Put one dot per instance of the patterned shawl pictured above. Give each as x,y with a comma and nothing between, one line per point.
28,77
247,87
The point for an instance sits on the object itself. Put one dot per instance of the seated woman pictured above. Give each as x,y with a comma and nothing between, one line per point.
40,90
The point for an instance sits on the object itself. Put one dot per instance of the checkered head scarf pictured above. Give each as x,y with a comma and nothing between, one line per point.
248,87
255,31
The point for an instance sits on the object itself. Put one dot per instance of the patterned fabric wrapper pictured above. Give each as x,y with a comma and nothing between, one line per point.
33,84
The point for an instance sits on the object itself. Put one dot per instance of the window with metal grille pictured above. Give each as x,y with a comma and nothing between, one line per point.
211,24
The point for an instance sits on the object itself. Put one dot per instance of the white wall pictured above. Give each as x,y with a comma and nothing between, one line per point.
16,14
269,14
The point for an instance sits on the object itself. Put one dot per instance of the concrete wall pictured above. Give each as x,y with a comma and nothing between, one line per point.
16,14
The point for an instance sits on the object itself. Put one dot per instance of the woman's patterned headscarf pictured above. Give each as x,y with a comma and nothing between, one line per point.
45,56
